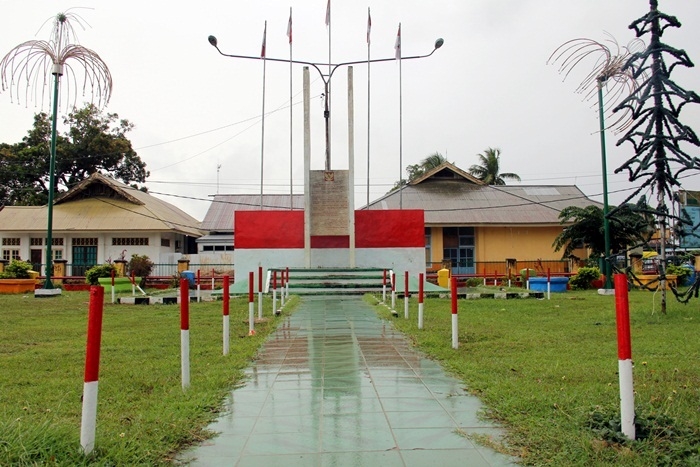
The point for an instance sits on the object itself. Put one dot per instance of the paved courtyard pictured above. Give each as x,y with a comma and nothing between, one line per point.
337,386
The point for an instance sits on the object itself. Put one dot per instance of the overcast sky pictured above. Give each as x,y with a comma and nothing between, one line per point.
488,86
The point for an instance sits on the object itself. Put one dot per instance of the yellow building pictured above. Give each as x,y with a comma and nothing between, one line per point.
477,227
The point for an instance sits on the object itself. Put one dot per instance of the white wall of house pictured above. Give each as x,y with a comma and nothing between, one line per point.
110,245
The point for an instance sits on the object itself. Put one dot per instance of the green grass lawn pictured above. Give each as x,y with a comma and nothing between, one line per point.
143,416
547,369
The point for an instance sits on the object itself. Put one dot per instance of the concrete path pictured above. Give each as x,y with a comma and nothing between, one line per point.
337,386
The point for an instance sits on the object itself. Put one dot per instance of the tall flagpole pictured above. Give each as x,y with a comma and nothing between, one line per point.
328,90
369,29
291,115
262,145
397,46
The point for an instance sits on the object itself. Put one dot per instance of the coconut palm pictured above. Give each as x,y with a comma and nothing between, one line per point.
488,169
30,65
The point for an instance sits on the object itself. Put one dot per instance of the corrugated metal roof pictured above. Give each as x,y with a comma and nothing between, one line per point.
128,210
219,217
461,202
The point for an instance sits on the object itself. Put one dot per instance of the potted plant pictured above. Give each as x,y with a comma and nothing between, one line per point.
16,278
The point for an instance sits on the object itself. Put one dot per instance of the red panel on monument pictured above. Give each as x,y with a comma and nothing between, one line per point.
269,229
330,241
390,229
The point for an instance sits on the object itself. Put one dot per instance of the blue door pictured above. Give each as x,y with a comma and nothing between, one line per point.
458,247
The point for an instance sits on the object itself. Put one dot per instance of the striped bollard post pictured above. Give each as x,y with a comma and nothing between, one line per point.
251,304
420,300
133,284
260,292
484,276
274,293
92,370
527,278
199,287
286,290
213,280
227,318
624,356
113,298
405,294
495,278
384,288
282,282
455,331
393,290
549,284
185,333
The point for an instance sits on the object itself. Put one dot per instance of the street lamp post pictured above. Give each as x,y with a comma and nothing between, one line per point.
325,77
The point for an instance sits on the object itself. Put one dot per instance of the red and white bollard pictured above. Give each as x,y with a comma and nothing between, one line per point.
549,284
185,333
113,299
251,304
286,288
393,290
405,294
624,356
455,331
420,300
92,369
227,320
282,289
274,292
260,292
384,288
133,284
495,278
199,286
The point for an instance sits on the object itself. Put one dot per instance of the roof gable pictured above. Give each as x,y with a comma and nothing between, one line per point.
98,185
446,171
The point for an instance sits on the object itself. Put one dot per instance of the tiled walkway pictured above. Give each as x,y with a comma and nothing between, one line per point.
336,386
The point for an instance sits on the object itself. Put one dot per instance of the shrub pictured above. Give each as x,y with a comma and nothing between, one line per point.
140,266
682,273
582,280
473,282
95,272
17,269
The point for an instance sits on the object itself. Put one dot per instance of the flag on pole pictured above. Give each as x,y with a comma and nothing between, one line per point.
289,26
369,25
264,42
328,13
397,45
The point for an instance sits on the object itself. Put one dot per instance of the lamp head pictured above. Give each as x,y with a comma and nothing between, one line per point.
212,40
438,42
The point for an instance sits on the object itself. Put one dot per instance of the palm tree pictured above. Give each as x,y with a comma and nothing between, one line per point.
488,169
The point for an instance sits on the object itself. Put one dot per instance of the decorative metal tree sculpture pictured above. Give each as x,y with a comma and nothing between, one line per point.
608,73
27,68
656,133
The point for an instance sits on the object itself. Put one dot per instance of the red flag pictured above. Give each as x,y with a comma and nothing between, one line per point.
289,26
328,13
369,25
397,45
264,42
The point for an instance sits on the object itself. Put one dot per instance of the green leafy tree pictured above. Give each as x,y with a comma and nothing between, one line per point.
627,228
416,171
489,168
94,142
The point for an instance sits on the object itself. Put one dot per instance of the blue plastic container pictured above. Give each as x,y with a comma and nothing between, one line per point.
189,275
557,284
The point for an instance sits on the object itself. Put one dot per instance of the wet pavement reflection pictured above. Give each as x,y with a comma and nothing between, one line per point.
337,386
